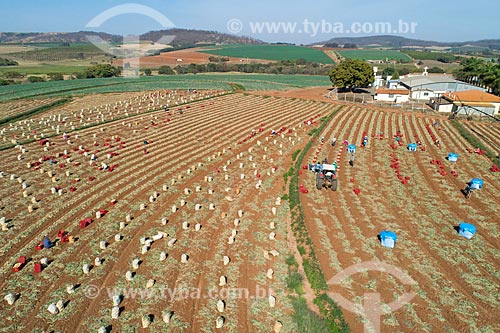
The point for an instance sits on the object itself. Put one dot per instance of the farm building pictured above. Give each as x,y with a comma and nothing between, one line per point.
425,87
461,102
392,95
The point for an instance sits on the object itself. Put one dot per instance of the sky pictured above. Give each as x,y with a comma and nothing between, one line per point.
292,21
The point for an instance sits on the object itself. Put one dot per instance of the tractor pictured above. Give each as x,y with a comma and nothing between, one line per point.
327,176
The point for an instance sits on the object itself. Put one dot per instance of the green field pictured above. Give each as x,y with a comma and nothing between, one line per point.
59,53
438,56
270,52
44,69
374,55
199,81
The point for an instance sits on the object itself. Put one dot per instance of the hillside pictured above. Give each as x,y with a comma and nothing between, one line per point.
183,37
190,37
397,41
54,37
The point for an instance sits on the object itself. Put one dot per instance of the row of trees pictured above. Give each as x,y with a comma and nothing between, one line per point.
8,62
345,46
481,73
97,71
298,66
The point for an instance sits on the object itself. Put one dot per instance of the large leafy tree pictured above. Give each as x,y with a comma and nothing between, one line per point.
352,74
99,71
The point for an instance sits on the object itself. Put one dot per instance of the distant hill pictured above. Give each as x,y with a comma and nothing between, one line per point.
183,37
192,37
54,37
397,41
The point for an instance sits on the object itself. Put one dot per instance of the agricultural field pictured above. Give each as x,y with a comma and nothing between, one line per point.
47,58
6,49
14,109
186,201
270,52
374,55
390,188
488,134
77,115
172,210
422,55
59,53
198,81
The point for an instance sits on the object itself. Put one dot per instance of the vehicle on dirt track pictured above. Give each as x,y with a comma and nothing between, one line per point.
474,185
327,177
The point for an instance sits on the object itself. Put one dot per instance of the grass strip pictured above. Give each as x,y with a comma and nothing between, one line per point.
331,314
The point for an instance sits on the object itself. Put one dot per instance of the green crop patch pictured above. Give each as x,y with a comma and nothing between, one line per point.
383,55
271,52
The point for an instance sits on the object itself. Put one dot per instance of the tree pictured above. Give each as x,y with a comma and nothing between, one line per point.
99,71
12,75
211,67
469,70
436,70
404,71
165,70
8,62
388,71
395,76
56,77
5,82
350,46
181,69
352,74
33,79
301,61
490,77
147,72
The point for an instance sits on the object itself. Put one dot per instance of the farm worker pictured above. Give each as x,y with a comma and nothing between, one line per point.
397,139
335,166
65,137
334,140
322,139
308,122
346,143
435,124
47,243
329,174
318,166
